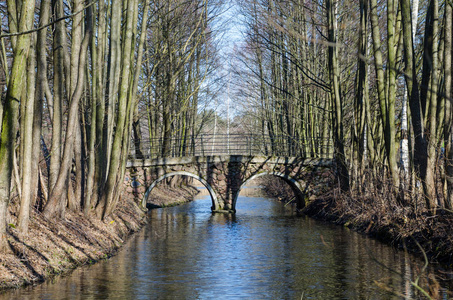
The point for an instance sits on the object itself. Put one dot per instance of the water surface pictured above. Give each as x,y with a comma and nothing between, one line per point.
265,251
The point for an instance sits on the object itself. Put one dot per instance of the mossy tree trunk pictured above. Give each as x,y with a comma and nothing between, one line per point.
11,112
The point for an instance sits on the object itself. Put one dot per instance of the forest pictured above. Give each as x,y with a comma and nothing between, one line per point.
83,82
372,78
78,79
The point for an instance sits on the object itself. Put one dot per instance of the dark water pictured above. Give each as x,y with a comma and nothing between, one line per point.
265,251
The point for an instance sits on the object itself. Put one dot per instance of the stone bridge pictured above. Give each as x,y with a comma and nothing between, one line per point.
224,176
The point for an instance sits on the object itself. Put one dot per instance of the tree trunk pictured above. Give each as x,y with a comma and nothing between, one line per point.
107,200
361,96
429,182
27,175
390,129
420,148
114,71
56,204
96,49
97,155
41,86
10,114
448,66
58,95
337,115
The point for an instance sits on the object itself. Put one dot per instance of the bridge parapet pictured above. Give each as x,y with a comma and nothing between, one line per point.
231,144
224,176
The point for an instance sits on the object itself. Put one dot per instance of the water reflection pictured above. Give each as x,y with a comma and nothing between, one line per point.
264,251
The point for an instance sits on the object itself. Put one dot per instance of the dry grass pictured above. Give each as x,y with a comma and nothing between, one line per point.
376,210
163,195
275,187
391,222
55,247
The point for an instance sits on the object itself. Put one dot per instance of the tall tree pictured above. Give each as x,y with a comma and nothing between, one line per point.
337,115
11,108
448,94
70,76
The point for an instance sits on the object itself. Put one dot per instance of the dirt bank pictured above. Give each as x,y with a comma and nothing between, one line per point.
52,248
164,196
403,227
382,217
406,227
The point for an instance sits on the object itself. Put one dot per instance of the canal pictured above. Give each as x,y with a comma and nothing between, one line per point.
265,251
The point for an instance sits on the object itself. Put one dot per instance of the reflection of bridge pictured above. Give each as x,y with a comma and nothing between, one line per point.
225,175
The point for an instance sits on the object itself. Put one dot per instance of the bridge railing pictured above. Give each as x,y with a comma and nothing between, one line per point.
233,144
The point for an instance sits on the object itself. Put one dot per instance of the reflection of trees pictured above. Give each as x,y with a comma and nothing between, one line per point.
187,252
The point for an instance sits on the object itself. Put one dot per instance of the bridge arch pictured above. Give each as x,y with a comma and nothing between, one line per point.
215,203
295,185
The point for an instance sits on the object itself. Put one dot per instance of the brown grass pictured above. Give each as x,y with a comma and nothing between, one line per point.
54,247
163,195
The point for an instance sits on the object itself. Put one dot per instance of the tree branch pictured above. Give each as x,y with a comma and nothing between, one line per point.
5,35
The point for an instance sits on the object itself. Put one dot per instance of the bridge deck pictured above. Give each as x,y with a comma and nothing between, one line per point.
233,144
325,162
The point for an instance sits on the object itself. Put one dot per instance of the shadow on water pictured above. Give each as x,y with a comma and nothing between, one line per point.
152,206
223,219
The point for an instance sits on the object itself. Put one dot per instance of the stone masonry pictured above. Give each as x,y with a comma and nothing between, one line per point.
224,176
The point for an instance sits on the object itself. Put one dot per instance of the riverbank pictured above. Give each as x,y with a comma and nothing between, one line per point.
383,217
55,248
52,248
403,227
166,196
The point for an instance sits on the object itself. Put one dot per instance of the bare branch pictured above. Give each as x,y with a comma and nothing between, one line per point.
5,35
